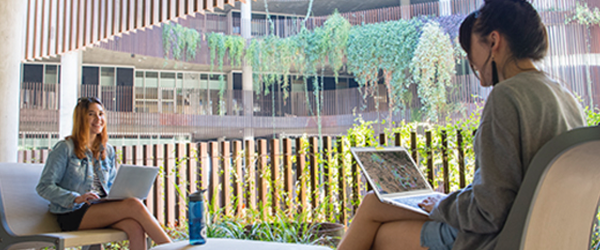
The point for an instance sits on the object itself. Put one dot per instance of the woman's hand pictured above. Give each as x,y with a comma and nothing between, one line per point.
430,202
86,197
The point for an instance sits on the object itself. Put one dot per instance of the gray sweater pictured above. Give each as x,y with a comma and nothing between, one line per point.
521,114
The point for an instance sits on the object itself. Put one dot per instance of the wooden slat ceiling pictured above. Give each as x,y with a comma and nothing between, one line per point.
58,26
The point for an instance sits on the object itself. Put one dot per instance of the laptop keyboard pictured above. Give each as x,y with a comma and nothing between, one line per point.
414,201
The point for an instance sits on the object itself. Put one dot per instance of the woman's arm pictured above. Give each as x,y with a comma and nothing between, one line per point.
53,173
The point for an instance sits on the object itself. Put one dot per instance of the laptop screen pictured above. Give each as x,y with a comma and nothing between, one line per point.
391,171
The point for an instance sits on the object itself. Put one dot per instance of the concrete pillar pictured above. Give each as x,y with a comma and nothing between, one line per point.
248,95
12,34
70,79
229,93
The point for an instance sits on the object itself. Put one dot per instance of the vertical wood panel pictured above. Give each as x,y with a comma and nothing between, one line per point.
159,208
288,175
300,174
172,9
219,4
181,179
88,22
204,167
127,155
124,15
54,26
461,159
108,25
117,16
156,11
170,192
139,15
445,162
95,22
148,157
413,147
164,10
314,174
328,171
383,139
214,175
275,184
38,26
262,180
131,16
342,187
429,153
29,33
45,26
238,161
192,151
209,5
356,181
148,14
226,181
250,168
397,139
181,8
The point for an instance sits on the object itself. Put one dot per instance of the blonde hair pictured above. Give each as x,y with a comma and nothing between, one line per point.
81,131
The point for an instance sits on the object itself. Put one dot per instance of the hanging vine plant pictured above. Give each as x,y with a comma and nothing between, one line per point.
182,42
387,48
216,46
235,45
338,30
433,68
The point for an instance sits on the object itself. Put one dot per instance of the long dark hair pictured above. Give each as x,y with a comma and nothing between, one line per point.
81,130
517,20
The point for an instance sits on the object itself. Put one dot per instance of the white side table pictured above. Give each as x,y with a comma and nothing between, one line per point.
225,244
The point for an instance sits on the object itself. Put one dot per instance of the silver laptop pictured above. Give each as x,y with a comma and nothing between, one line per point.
131,181
394,176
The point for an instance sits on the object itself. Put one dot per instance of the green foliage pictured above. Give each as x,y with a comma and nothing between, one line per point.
181,41
593,118
235,45
386,47
338,30
584,15
433,69
216,45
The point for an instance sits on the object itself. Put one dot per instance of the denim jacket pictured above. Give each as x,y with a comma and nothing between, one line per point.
65,176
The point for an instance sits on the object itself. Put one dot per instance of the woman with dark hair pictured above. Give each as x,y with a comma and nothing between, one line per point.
82,168
525,109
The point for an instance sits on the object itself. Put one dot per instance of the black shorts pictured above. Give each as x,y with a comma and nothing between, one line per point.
70,221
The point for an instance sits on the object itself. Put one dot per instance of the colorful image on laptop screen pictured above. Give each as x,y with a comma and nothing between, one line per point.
391,171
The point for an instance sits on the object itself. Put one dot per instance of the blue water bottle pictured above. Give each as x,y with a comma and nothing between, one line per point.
196,220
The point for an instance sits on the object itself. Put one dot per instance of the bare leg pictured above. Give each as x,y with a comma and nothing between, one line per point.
371,217
135,233
108,213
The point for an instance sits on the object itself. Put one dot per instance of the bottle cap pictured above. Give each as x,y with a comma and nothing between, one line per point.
197,196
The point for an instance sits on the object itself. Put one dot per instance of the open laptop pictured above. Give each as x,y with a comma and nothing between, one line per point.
131,181
394,176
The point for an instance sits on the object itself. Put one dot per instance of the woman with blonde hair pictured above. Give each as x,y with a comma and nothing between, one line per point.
81,168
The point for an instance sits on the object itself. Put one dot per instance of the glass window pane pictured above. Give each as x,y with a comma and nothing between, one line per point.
167,80
151,79
139,79
107,76
215,83
51,76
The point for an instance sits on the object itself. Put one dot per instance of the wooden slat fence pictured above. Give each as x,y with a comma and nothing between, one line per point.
284,176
